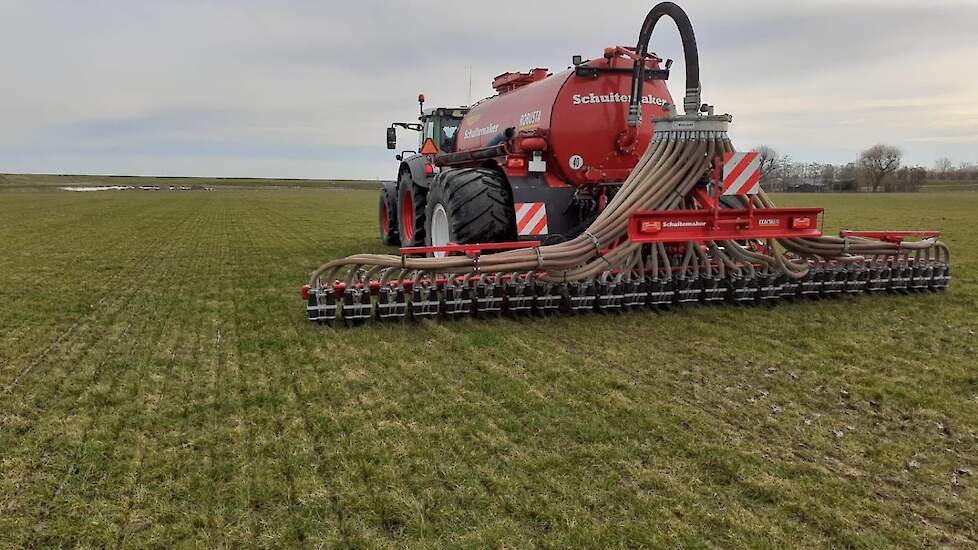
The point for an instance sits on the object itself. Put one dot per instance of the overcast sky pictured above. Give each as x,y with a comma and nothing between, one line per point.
305,89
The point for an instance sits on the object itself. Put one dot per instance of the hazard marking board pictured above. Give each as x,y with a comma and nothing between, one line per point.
741,173
429,147
531,218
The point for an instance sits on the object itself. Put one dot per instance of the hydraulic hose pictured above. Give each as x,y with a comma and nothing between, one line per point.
691,101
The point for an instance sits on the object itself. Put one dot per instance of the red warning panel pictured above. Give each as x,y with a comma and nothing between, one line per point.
724,224
741,173
531,218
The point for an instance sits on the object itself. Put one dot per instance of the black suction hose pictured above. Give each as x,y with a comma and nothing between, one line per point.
691,103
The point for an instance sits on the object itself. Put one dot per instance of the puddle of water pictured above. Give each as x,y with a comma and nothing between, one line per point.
98,188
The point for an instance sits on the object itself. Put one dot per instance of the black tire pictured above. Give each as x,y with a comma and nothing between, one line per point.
478,205
411,202
387,214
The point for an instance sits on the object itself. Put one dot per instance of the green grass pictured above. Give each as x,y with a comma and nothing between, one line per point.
951,185
34,182
159,386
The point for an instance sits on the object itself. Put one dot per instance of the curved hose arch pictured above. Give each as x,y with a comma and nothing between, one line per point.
691,102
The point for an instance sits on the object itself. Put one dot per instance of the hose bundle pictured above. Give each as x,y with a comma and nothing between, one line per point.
673,164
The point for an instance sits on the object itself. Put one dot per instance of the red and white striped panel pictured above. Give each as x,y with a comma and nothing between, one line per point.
531,218
741,173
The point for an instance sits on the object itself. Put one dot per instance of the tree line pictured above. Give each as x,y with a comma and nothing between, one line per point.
878,169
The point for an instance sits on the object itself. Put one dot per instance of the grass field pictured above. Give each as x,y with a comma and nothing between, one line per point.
35,182
159,386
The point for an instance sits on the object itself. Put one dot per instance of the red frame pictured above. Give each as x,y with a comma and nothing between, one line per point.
723,224
469,249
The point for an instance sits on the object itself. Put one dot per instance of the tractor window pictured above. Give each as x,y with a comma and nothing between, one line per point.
446,138
442,131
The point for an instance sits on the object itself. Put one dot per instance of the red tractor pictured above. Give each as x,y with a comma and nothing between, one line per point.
537,161
587,190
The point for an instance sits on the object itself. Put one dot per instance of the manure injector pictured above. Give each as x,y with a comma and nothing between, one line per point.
586,190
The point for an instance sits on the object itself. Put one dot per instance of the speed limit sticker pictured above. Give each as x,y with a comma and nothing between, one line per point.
576,162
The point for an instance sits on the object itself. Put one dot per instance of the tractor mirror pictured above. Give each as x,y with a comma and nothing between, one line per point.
391,138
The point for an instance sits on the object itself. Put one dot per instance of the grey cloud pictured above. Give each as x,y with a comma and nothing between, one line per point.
294,88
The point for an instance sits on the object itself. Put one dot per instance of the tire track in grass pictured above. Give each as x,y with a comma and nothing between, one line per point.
193,258
105,292
23,237
231,358
77,458
487,370
115,309
381,383
255,381
168,402
195,397
73,467
76,356
200,404
90,386
122,295
234,354
441,388
217,389
253,251
245,257
389,525
271,233
224,386
492,381
213,392
365,413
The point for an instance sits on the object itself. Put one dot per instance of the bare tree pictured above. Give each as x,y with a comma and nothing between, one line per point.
769,163
811,173
878,162
916,178
943,165
848,177
828,177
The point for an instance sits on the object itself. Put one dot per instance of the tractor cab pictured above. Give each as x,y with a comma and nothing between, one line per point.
438,125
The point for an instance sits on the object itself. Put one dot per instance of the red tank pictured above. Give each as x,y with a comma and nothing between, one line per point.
580,113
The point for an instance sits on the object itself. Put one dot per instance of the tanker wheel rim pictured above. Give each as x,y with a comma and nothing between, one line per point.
440,229
407,215
385,224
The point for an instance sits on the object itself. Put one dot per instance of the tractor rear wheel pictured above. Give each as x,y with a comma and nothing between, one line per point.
411,201
469,205
387,212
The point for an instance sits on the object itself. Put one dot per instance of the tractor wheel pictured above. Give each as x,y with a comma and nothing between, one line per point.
411,201
387,211
469,205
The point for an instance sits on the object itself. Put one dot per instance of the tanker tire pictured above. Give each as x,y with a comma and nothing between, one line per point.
411,201
478,204
387,214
